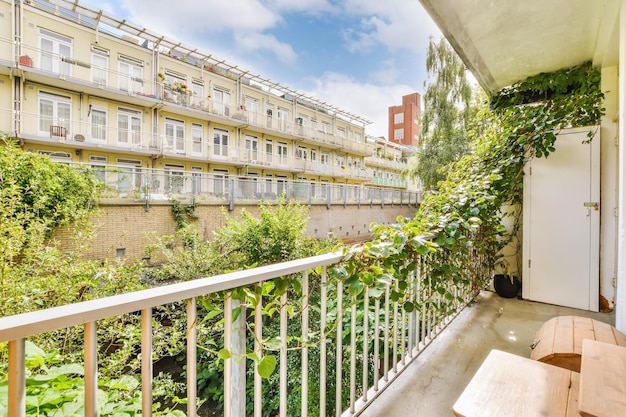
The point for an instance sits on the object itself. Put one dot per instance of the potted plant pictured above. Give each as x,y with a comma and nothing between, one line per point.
506,284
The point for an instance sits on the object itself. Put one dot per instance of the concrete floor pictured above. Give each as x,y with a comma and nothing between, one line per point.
432,383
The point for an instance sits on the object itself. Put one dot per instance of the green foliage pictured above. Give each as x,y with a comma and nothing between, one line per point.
277,235
450,107
55,389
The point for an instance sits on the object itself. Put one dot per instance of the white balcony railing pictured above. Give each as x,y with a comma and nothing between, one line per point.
370,349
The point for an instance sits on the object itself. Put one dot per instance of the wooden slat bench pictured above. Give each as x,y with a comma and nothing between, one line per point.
559,341
510,385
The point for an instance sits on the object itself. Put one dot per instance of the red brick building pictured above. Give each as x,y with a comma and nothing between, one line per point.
404,127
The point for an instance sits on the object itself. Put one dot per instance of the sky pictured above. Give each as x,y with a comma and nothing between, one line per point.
361,56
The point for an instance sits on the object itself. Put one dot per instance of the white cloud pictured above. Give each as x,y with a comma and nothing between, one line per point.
208,15
255,42
397,24
367,100
305,6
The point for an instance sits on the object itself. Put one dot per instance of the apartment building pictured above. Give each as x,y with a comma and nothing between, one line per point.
148,113
404,126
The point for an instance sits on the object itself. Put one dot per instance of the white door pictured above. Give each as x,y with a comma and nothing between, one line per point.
562,224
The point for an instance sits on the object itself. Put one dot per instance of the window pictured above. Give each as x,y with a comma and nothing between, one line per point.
269,150
128,175
196,180
252,147
221,101
341,132
325,158
98,124
283,116
56,111
313,155
301,152
62,157
357,137
220,142
302,120
98,166
281,184
54,48
130,75
99,66
398,133
282,153
197,94
196,137
398,118
174,178
269,111
252,105
325,127
128,127
175,134
220,179
340,160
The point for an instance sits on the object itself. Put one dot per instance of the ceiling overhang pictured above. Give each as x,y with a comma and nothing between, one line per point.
502,42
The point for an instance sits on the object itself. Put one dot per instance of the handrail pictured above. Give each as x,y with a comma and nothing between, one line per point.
36,322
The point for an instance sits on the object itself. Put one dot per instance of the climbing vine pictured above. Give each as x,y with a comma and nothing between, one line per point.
457,233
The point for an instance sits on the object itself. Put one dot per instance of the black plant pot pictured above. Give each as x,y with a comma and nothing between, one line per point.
505,286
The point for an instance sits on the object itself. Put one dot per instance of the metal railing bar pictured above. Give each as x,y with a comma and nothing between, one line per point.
192,335
365,369
323,362
146,362
228,363
42,321
376,336
17,378
91,369
353,355
283,355
258,336
386,341
339,352
305,349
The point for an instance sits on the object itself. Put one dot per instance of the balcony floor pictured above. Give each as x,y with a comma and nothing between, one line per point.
432,383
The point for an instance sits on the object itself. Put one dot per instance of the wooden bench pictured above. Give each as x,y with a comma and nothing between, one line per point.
510,385
602,380
559,341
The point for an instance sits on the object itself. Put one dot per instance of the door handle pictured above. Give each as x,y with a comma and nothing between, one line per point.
590,204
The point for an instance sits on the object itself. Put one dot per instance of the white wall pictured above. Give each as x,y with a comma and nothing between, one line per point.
608,186
620,295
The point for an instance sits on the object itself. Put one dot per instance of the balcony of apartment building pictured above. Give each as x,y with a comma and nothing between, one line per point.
133,184
141,89
391,361
95,134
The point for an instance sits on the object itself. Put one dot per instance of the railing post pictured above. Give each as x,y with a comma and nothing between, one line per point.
91,370
192,362
146,362
17,378
238,349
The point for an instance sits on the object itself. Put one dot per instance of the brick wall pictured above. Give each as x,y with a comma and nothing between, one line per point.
126,229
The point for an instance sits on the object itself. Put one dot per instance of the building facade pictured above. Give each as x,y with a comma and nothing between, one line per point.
404,126
154,117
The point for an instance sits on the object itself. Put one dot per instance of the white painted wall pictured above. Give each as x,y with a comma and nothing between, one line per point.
608,185
620,295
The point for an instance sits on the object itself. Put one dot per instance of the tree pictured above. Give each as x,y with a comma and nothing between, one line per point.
449,109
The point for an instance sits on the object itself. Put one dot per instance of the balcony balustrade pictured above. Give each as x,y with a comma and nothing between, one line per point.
360,343
145,185
147,91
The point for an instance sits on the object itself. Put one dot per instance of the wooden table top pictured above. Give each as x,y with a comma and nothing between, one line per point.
510,385
602,380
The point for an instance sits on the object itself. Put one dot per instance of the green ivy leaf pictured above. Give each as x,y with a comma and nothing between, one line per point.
266,366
